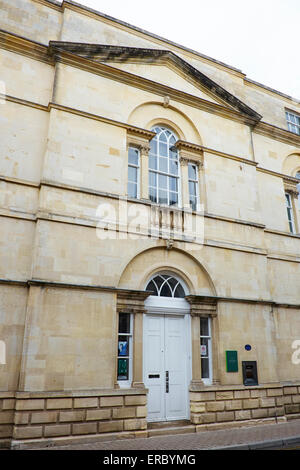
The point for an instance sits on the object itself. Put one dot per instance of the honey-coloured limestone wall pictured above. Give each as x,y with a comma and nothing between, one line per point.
46,416
238,406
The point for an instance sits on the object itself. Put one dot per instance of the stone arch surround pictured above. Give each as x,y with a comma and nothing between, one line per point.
155,260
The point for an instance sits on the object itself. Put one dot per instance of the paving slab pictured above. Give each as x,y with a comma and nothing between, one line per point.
246,438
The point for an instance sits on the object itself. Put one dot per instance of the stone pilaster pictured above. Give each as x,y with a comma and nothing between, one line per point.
133,303
200,306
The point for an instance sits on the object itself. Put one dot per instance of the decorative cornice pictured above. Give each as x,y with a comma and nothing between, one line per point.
38,51
194,150
140,141
151,86
202,305
27,47
230,156
208,301
131,301
50,4
286,178
283,135
107,53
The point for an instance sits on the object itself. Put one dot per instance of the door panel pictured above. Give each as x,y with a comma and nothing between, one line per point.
154,366
165,350
175,363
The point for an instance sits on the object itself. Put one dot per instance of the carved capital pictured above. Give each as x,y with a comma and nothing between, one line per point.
140,142
144,149
291,188
184,161
191,152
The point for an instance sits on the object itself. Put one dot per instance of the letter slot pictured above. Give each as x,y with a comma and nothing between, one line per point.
153,376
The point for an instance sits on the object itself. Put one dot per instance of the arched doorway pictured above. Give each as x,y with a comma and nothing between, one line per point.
167,348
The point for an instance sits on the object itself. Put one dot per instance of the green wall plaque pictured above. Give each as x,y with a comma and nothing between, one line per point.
232,361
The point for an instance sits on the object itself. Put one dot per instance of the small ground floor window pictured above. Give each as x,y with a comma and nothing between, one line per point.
125,350
205,347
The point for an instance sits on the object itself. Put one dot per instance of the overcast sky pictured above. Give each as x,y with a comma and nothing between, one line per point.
259,37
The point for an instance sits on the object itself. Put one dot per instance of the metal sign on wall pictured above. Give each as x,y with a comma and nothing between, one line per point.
231,361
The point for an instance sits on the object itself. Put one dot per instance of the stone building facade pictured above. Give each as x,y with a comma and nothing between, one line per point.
150,233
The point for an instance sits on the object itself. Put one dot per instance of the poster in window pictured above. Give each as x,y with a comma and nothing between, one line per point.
203,350
123,348
122,369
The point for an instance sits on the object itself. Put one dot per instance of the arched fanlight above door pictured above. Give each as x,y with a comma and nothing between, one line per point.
166,285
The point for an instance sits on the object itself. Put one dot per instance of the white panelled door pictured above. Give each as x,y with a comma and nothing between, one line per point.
166,367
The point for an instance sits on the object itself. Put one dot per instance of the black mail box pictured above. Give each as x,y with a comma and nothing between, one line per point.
249,372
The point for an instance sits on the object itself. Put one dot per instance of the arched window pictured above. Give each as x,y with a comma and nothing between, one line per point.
163,167
164,285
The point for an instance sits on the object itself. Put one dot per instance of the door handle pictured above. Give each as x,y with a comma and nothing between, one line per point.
167,381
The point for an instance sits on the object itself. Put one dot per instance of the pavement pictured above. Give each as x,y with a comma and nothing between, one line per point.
267,436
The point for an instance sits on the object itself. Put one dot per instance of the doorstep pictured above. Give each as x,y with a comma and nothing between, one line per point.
163,428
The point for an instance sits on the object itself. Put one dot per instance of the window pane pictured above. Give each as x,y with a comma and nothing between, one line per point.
172,282
192,188
205,368
123,369
124,323
158,281
152,179
172,141
152,287
162,182
173,167
173,184
153,146
152,162
166,291
133,156
173,197
163,164
204,331
163,197
162,137
152,194
132,190
163,149
192,172
193,203
123,346
179,292
132,174
173,153
204,347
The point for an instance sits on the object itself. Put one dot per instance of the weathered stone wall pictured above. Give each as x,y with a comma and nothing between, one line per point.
7,412
70,341
31,19
45,416
237,406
